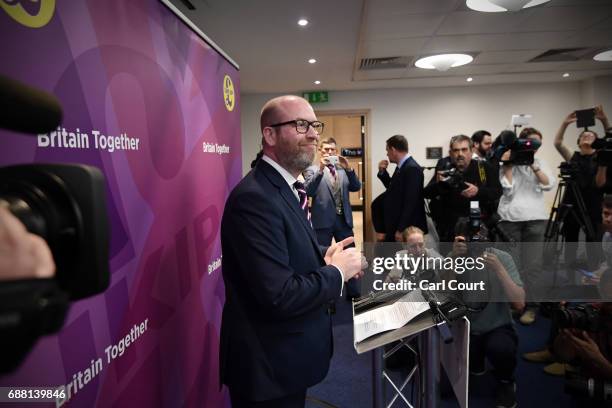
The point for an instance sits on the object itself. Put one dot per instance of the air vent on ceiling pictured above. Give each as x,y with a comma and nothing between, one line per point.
384,63
562,55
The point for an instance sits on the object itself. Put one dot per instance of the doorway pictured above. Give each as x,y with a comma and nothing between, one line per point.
349,131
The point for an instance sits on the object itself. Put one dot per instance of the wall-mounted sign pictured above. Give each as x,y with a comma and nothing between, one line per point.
352,151
316,96
434,153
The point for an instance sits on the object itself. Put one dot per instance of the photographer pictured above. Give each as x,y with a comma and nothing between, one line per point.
585,341
492,334
584,168
468,180
524,213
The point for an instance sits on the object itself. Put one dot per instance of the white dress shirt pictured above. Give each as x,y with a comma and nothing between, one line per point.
291,181
523,199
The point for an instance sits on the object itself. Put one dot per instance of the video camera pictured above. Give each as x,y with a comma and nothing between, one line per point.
522,150
583,317
66,206
568,170
603,146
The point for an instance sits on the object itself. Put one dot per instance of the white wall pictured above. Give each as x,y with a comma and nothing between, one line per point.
430,116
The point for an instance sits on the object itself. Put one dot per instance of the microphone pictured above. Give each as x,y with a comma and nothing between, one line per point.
26,109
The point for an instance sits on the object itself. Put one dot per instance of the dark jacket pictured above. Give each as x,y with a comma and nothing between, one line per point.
451,204
276,336
318,186
404,205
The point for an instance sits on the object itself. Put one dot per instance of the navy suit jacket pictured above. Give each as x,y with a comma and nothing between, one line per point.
276,335
404,204
319,186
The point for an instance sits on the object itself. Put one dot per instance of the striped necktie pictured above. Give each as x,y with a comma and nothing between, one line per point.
332,170
303,199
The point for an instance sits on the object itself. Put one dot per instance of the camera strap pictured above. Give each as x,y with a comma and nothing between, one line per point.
481,172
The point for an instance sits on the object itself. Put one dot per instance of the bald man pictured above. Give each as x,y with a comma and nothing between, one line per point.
276,337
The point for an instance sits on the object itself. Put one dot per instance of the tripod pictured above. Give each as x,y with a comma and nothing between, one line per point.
560,211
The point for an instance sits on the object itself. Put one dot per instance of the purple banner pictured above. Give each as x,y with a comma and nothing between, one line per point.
148,102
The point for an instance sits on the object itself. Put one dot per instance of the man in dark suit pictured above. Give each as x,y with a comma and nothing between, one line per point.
329,184
276,337
403,203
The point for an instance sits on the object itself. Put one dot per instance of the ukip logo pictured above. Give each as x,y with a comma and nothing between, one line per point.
33,14
229,96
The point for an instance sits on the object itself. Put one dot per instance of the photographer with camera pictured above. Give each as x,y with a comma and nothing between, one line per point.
582,172
524,213
492,333
585,341
464,180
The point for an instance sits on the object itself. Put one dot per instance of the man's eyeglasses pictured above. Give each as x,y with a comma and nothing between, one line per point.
302,125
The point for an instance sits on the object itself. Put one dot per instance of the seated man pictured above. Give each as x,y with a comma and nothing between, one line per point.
492,333
414,239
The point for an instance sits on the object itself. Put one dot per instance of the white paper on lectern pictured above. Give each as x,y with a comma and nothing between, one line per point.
389,317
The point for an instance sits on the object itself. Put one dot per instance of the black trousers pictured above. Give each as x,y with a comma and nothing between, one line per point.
499,346
297,400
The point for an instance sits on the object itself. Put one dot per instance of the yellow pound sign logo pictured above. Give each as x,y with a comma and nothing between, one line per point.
14,9
229,97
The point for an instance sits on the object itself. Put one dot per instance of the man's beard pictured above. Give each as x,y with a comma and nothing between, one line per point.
293,158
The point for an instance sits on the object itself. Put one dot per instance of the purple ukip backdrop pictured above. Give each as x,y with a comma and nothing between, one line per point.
153,106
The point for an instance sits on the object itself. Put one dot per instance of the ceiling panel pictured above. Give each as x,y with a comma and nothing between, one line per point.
472,22
496,42
388,7
564,18
503,57
393,48
402,25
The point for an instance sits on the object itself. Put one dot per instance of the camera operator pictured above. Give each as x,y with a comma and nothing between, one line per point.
585,165
492,333
524,213
468,180
585,341
603,179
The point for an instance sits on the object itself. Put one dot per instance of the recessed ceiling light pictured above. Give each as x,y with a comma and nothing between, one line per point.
566,75
317,82
604,56
497,6
303,22
443,62
312,61
470,79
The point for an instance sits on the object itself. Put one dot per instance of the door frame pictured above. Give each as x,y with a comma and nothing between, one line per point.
368,229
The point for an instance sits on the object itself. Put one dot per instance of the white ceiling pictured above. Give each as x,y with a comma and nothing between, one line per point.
263,37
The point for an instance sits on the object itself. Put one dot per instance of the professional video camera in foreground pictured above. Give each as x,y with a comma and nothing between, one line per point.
66,206
521,150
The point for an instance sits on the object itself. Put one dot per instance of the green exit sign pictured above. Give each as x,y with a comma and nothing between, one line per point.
316,96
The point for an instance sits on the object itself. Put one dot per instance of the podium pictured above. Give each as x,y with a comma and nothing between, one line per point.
429,354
